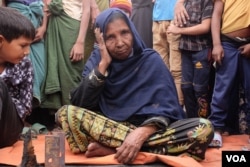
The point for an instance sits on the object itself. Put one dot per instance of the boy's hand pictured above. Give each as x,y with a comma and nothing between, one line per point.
180,14
218,53
173,29
39,34
245,50
77,52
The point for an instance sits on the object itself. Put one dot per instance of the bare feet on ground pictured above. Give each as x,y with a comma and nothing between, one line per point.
95,149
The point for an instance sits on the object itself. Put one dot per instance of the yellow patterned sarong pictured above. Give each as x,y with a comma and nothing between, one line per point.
82,126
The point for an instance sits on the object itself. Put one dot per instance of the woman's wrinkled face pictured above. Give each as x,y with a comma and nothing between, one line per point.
119,39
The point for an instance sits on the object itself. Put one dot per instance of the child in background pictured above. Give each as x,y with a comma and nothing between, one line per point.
34,10
16,74
124,5
231,52
167,44
195,46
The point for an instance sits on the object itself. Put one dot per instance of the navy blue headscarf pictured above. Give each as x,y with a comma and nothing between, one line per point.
141,85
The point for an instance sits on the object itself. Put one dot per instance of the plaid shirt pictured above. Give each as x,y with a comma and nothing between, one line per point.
198,10
19,80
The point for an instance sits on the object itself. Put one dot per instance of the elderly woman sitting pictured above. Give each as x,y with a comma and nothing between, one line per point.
127,101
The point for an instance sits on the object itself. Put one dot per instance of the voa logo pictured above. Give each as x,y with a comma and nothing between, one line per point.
236,158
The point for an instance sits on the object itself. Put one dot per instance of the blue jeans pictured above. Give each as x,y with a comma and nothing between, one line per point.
195,82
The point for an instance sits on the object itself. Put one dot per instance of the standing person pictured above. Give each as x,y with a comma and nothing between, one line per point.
167,44
16,74
65,40
142,19
96,7
195,45
231,51
130,113
34,11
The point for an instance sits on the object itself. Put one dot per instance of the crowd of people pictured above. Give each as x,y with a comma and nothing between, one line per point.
125,76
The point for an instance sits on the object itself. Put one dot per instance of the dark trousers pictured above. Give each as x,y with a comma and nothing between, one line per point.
10,123
195,82
226,74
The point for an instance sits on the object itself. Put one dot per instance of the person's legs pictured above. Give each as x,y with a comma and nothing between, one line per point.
187,88
10,123
190,136
224,80
224,77
97,135
83,126
175,63
201,61
160,43
232,120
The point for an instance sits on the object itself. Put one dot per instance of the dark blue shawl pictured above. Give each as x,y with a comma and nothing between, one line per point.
138,86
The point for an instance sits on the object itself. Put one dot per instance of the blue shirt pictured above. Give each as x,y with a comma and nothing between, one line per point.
163,10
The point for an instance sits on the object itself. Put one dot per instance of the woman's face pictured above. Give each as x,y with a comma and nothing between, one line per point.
119,39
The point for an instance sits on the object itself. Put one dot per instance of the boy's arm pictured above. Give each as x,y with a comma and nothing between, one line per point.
40,31
77,52
23,102
217,52
198,29
199,24
94,12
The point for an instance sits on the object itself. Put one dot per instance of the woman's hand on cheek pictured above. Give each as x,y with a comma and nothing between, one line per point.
99,37
105,57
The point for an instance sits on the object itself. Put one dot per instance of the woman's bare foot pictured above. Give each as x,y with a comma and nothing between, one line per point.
95,149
